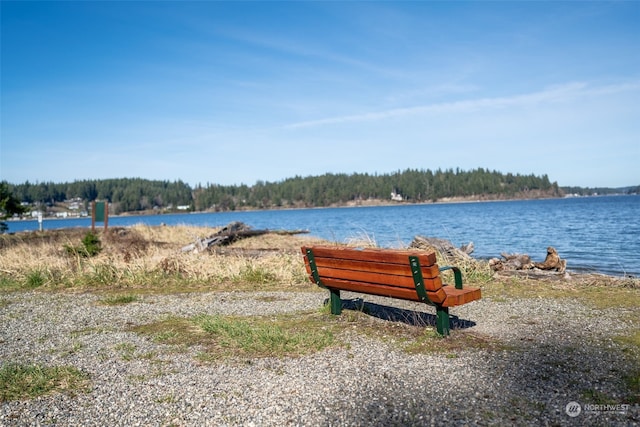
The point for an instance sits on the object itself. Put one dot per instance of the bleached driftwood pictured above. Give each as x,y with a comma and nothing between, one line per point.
232,232
443,246
511,262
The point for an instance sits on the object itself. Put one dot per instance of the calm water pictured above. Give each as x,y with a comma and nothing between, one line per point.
599,234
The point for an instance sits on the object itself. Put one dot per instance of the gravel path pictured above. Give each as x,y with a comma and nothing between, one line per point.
552,352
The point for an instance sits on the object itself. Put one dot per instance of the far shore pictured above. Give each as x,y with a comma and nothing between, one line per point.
350,204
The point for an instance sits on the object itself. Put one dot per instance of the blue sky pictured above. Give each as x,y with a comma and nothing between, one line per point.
236,92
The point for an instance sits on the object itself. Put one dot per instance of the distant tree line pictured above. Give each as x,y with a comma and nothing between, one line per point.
411,185
335,189
124,194
587,191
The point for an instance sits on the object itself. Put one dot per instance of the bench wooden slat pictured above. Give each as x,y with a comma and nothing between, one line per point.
438,295
460,296
372,255
405,281
428,272
366,288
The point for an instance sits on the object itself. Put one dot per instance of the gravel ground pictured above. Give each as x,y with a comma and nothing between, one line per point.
552,352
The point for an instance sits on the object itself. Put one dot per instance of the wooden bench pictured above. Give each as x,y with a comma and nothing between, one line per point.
402,274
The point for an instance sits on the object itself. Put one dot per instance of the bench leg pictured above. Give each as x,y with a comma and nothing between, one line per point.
442,314
335,301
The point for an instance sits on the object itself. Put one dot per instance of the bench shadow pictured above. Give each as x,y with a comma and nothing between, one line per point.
406,316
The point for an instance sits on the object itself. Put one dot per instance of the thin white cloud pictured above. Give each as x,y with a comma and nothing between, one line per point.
307,49
561,93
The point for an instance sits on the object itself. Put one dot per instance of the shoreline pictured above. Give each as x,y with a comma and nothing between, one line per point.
350,204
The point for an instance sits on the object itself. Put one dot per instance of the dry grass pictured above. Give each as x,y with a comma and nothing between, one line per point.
149,259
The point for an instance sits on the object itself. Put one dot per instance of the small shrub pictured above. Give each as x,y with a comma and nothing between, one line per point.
91,246
35,279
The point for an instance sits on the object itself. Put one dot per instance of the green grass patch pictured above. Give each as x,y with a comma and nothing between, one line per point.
604,297
120,299
601,294
18,381
632,381
9,283
173,331
229,337
28,280
251,274
127,351
270,298
630,344
428,341
596,397
75,347
264,337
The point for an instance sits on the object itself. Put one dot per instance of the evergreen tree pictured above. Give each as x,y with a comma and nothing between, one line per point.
9,205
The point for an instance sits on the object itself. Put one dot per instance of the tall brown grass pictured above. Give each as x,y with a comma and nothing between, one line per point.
150,258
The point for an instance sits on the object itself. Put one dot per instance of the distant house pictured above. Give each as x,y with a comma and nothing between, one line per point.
396,197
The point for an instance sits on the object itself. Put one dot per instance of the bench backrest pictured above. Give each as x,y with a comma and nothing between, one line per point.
384,272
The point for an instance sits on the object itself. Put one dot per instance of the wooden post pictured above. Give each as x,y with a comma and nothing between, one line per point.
106,215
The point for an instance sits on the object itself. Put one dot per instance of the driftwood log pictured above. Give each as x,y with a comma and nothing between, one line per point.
508,263
444,247
512,262
552,261
232,232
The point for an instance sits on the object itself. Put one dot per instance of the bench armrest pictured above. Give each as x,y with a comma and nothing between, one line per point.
457,274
